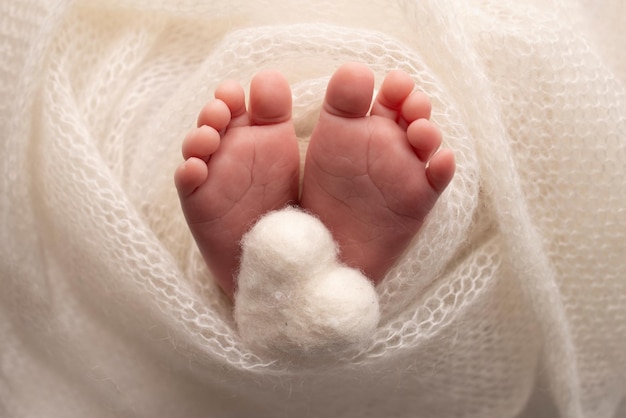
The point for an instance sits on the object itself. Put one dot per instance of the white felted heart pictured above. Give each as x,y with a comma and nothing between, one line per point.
294,296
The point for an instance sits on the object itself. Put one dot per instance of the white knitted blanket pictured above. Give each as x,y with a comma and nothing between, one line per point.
510,302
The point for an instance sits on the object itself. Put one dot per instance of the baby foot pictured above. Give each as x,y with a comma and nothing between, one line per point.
372,179
240,164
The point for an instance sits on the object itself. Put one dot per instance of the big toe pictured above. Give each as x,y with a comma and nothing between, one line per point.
350,91
270,98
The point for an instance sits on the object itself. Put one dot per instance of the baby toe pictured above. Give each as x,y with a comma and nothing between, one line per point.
350,90
215,114
440,169
189,176
395,89
270,98
201,143
416,106
425,138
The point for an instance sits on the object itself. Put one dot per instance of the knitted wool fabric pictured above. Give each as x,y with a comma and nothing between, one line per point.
511,301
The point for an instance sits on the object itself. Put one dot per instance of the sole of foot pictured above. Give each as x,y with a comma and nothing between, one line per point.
372,176
240,163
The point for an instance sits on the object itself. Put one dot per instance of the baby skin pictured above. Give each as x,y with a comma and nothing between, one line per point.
373,171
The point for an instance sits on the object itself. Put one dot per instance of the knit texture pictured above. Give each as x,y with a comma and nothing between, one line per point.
511,301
